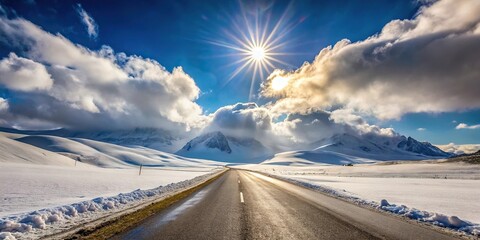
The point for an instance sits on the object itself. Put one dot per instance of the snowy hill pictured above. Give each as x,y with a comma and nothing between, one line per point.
87,177
146,137
12,151
53,150
217,146
349,148
306,158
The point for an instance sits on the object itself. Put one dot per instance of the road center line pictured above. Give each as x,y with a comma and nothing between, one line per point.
241,197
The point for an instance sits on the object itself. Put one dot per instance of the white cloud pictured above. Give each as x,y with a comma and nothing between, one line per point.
23,74
296,131
466,126
311,127
426,64
460,148
357,123
3,110
90,89
3,104
248,120
421,129
92,27
242,120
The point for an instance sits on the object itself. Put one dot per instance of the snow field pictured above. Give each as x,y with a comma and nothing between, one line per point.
31,225
28,187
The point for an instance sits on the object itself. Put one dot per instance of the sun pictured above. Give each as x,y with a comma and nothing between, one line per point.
257,54
257,42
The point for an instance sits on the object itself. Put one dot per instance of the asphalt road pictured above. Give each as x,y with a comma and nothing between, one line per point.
245,205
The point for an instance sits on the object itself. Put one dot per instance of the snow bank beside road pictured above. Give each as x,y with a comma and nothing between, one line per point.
456,197
29,187
35,173
50,220
451,203
438,219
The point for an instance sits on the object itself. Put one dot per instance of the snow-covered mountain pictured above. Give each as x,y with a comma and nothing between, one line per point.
338,149
425,148
213,140
349,148
379,147
146,137
219,147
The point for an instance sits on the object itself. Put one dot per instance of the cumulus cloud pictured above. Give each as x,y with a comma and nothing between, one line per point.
351,119
59,83
466,126
426,64
87,20
242,120
308,128
460,148
251,120
248,120
3,104
295,131
23,74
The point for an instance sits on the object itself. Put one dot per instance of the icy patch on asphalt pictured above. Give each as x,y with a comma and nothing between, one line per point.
441,220
177,211
43,222
163,219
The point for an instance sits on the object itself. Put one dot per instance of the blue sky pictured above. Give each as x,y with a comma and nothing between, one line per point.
174,32
177,33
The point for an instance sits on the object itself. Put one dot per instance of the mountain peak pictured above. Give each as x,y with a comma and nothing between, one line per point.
210,140
379,147
425,148
220,147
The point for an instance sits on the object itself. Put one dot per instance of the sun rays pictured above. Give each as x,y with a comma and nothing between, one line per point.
257,53
255,41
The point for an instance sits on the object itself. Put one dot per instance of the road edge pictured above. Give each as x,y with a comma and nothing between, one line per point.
443,230
108,226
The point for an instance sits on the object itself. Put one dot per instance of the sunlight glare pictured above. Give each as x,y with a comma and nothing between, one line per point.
257,42
258,53
279,83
